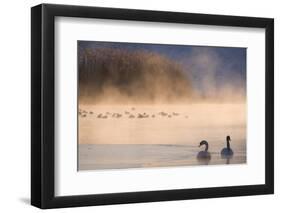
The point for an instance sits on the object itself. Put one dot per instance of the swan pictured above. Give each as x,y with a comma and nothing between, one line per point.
204,155
227,151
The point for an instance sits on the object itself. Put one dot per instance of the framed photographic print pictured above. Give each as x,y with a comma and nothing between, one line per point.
139,106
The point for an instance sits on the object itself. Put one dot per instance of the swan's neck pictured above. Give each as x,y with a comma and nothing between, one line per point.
228,144
206,147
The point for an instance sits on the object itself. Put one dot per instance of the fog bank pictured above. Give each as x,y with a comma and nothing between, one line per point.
122,76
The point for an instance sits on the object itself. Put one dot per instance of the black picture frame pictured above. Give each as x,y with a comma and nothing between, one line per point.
43,102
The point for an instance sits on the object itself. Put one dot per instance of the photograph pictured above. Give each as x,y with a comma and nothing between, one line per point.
143,105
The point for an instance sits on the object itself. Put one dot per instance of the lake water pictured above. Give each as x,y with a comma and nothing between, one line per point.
121,137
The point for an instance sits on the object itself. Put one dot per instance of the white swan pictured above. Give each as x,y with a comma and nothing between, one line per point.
204,155
227,151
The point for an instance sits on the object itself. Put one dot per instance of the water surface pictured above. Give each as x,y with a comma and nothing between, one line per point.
117,137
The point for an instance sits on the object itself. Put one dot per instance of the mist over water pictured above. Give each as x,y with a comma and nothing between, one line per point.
110,75
115,76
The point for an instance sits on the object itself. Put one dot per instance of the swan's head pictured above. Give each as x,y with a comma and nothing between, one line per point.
228,138
203,143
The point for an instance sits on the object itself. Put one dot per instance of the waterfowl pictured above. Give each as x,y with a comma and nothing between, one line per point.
227,151
140,116
163,113
205,155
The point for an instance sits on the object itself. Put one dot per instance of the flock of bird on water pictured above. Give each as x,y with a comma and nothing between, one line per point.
202,155
129,114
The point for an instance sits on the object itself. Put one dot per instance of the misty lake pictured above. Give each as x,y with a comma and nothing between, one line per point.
126,136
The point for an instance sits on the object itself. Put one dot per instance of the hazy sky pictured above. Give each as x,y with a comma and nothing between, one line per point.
231,59
210,68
